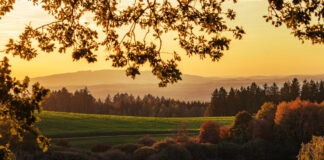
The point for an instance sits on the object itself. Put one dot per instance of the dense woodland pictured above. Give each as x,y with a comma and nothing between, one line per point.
250,98
81,101
223,102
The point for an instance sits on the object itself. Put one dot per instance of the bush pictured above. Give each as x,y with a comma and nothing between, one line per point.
115,155
59,153
172,152
143,153
128,148
63,143
209,132
313,150
198,151
146,141
239,130
285,151
100,147
160,145
261,129
256,149
226,150
298,120
224,132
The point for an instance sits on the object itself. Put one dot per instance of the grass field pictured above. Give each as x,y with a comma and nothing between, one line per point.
65,125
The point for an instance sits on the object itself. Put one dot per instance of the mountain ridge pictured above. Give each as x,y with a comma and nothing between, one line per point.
193,87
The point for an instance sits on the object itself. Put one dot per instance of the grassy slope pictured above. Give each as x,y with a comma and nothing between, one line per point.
59,124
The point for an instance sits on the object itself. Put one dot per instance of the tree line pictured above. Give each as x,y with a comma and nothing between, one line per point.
250,98
81,101
223,102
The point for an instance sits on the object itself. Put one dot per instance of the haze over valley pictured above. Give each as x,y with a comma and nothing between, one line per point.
103,82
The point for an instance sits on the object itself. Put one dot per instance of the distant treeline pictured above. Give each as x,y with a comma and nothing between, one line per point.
223,103
251,98
81,101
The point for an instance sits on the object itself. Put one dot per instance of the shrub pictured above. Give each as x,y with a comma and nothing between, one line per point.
226,150
101,147
256,149
63,143
160,145
285,151
313,150
298,120
198,151
143,153
59,153
172,152
182,139
146,141
115,155
239,131
224,132
128,148
209,132
262,129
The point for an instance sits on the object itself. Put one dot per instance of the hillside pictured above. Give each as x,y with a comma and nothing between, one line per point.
60,124
104,82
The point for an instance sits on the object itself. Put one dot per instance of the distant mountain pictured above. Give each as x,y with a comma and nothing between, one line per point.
109,77
192,87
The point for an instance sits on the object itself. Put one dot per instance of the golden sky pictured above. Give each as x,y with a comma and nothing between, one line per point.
264,50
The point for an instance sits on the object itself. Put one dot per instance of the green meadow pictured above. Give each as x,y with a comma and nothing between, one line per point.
85,130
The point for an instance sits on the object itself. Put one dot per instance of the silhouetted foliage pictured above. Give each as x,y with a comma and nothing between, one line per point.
63,143
162,144
224,132
128,148
101,147
126,50
252,97
267,112
115,155
298,120
256,149
81,101
209,132
303,17
19,103
314,150
240,128
143,153
172,152
226,150
146,141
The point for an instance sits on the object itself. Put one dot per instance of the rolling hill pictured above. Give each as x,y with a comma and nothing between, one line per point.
192,87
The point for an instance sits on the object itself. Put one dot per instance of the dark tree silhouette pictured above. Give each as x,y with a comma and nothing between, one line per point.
18,104
81,101
303,17
252,97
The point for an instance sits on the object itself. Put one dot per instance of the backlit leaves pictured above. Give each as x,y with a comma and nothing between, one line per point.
303,17
18,105
198,26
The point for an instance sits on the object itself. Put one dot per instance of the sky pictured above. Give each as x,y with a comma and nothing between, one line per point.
264,50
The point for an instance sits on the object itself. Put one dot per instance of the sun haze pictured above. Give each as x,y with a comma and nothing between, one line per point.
264,50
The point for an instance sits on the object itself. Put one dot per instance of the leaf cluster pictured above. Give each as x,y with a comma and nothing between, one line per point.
303,17
198,25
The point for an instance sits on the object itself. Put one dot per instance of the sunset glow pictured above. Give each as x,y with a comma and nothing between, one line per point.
264,50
